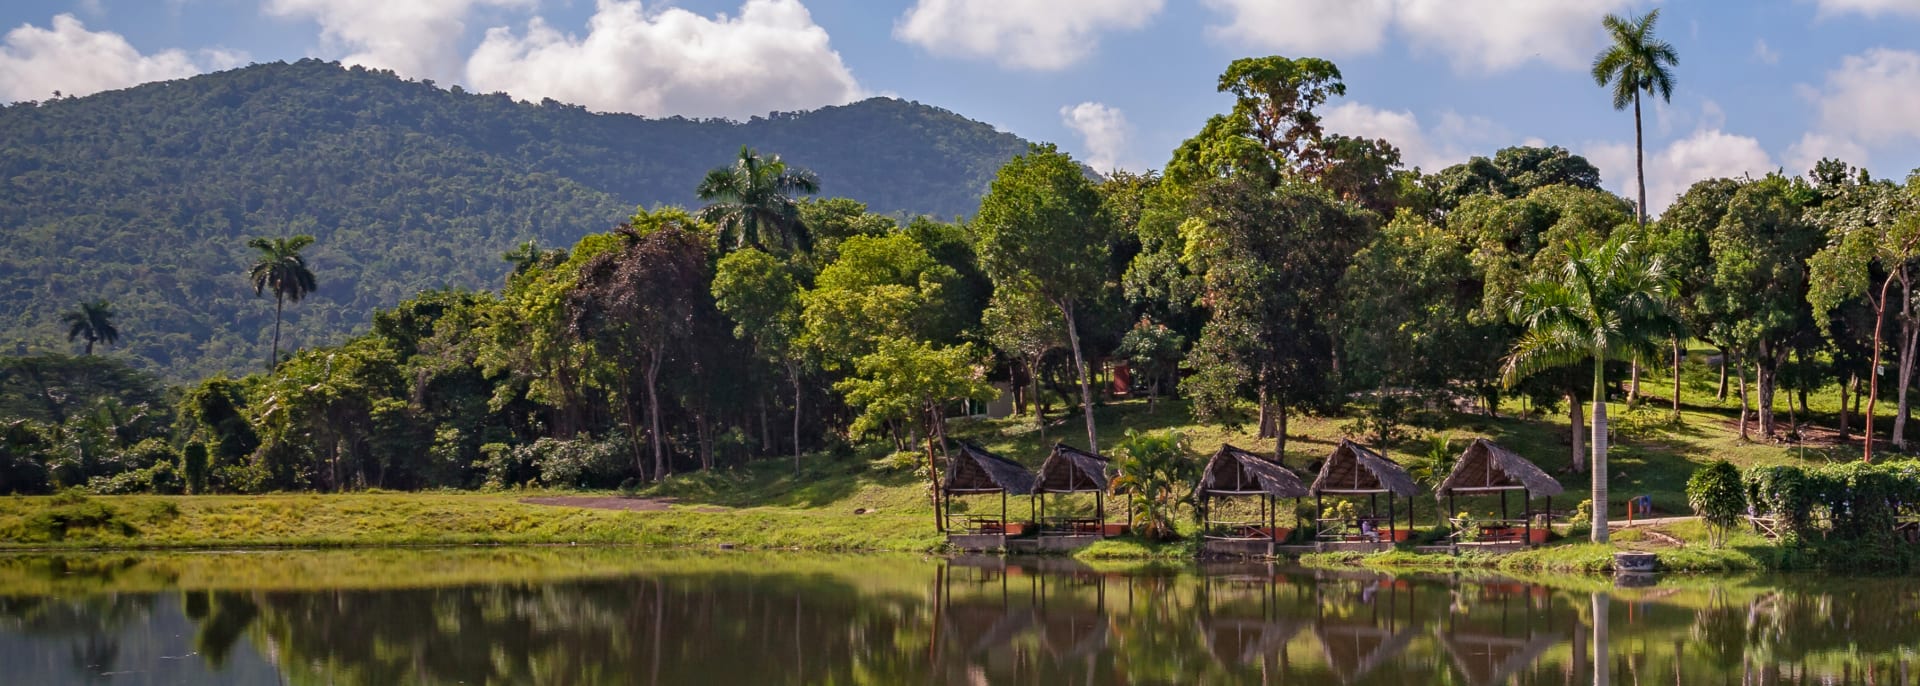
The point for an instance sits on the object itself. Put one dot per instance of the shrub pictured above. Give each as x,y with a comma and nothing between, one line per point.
1715,493
193,463
579,463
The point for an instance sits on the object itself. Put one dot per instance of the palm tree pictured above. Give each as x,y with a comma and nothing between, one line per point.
1607,302
92,322
1636,62
752,201
282,269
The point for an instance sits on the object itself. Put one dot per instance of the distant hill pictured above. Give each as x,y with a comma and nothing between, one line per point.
145,196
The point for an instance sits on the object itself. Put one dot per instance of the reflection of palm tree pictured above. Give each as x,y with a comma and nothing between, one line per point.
1602,604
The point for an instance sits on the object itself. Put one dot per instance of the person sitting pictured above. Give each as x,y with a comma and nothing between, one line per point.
1369,531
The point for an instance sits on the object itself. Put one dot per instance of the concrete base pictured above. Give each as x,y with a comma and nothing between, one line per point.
1353,546
975,543
1056,544
1252,547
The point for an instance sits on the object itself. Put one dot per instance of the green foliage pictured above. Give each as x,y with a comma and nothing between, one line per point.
904,381
91,322
751,202
1716,494
1157,471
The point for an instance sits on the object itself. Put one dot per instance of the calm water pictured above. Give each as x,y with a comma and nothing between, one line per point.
610,615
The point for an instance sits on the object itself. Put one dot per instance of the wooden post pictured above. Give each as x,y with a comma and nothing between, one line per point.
1392,519
1003,514
1526,511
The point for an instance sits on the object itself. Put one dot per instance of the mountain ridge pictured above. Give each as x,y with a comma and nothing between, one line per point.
145,196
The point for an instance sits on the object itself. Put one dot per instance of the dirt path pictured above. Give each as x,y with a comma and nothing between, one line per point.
603,502
1649,521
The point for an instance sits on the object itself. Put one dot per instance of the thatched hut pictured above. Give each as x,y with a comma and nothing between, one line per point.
1237,473
1490,660
1072,470
1485,469
974,471
1353,470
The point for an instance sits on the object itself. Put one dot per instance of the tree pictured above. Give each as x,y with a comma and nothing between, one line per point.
1758,300
1043,228
1026,328
282,269
1636,62
1873,227
91,322
760,295
1154,351
877,288
911,382
1716,494
635,306
1609,301
1156,471
752,201
1272,259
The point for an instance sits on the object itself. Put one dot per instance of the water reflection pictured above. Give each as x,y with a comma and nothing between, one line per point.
634,617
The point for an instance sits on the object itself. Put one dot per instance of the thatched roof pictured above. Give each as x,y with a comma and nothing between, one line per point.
1233,471
1072,470
1245,641
1352,468
974,470
1486,466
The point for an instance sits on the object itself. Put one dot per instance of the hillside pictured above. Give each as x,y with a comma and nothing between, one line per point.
145,196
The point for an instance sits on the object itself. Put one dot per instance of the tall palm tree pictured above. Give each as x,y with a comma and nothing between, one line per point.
91,322
752,201
1636,62
1608,302
284,271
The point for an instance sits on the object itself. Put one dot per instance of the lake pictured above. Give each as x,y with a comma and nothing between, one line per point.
564,615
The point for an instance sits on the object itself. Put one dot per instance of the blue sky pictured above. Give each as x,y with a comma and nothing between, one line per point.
1762,85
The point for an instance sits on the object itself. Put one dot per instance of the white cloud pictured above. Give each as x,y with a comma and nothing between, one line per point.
1454,139
1707,153
35,61
1314,27
1494,35
1763,53
671,61
1497,35
1103,133
1042,35
1813,147
414,38
1871,8
1872,97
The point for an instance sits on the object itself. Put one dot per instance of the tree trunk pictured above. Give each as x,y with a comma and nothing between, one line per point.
1721,395
766,437
1600,449
1678,355
1639,162
1280,436
1633,382
933,478
273,357
653,416
1039,413
1576,420
1909,330
89,348
1873,371
1844,387
793,375
1766,369
1080,366
1743,406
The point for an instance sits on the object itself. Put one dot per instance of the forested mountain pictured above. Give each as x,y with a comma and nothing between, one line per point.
146,196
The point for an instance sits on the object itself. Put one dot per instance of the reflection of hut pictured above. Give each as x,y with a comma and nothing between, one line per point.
1485,469
1243,641
1072,470
1355,650
974,471
1353,470
1492,660
1236,473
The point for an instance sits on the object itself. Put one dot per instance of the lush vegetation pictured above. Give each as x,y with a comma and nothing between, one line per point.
1285,285
146,197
